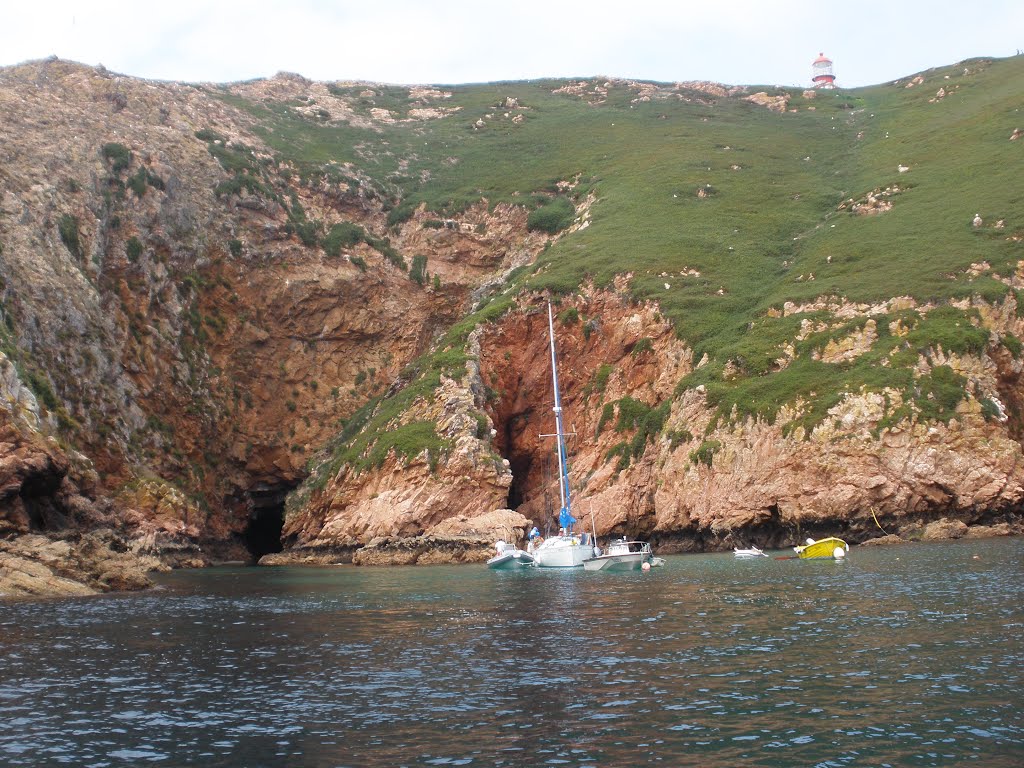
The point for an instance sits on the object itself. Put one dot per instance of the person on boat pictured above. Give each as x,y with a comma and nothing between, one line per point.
534,533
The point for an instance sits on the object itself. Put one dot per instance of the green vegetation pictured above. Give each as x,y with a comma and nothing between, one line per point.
600,381
941,392
705,454
142,179
118,155
642,345
67,227
248,173
678,436
569,316
344,234
133,248
644,421
307,230
418,271
383,246
552,217
777,231
401,214
1013,344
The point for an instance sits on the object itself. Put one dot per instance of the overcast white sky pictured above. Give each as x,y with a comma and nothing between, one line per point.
471,41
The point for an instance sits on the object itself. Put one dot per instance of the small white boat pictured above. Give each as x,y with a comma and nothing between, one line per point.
752,552
509,557
623,555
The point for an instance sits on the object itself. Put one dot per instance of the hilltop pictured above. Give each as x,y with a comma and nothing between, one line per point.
779,309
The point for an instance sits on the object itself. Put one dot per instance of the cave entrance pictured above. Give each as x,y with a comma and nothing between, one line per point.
534,466
262,535
38,499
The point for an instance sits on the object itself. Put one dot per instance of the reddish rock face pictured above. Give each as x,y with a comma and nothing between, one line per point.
760,483
190,337
31,473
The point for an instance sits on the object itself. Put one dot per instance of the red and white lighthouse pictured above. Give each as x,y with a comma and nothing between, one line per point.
823,76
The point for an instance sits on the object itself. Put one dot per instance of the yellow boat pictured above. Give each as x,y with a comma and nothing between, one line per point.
823,548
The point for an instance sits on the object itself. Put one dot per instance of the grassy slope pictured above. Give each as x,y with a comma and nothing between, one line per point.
767,223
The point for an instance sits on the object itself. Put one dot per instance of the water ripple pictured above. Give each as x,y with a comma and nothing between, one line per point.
698,663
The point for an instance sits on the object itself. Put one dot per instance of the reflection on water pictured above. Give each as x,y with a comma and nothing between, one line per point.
899,656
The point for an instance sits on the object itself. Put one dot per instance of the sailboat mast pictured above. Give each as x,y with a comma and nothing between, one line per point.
563,460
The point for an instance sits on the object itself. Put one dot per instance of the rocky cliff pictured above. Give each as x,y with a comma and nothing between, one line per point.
199,323
654,462
173,350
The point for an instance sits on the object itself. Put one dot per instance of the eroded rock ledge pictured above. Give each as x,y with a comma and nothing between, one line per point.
37,566
458,539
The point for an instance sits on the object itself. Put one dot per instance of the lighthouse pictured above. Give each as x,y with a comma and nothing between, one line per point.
823,76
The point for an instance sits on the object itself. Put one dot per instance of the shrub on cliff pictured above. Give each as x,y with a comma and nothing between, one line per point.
133,249
67,226
418,271
633,415
118,155
344,234
941,392
705,454
383,246
401,214
551,217
142,179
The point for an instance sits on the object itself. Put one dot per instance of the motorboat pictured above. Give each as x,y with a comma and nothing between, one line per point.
509,557
830,548
623,555
747,553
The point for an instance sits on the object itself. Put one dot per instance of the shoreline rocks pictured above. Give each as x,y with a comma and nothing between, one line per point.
72,563
35,566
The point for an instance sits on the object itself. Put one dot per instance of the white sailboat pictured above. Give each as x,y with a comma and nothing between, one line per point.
567,549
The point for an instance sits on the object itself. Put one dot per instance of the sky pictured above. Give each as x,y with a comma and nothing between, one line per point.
737,42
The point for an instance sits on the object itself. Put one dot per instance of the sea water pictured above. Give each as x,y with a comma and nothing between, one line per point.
901,656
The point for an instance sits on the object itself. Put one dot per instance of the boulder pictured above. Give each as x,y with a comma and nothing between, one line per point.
24,577
944,529
881,541
990,531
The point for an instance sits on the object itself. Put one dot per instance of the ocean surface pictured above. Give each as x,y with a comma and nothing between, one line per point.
900,656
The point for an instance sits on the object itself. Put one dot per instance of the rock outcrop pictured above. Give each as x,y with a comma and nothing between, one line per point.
699,482
454,540
194,349
37,566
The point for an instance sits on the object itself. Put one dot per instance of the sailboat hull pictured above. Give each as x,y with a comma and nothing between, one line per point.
562,552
